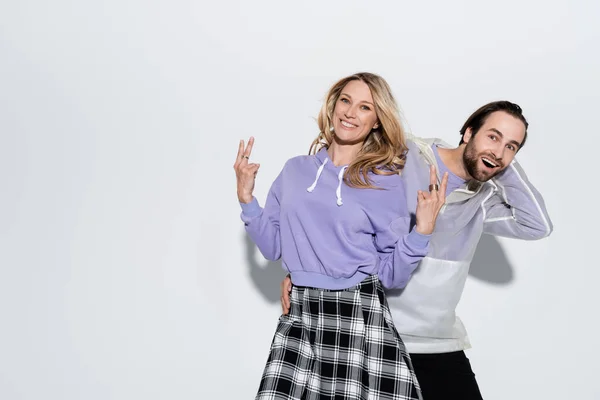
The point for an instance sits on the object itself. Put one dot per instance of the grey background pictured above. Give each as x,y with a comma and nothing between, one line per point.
124,269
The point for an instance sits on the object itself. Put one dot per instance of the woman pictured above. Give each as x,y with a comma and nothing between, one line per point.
338,220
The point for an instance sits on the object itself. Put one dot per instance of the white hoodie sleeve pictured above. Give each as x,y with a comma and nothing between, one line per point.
516,209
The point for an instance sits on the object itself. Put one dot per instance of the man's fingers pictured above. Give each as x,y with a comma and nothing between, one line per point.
285,304
286,288
285,296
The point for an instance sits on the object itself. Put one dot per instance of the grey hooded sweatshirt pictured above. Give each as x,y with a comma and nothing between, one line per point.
508,205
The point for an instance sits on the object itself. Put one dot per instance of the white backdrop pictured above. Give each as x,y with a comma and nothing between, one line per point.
124,269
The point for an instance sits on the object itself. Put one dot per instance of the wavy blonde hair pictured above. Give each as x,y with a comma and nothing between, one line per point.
384,150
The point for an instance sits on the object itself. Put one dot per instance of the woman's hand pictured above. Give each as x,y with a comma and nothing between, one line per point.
430,204
245,172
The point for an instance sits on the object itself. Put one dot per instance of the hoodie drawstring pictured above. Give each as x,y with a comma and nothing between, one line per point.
312,187
338,192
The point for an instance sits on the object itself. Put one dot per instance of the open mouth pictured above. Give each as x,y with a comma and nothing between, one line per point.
347,124
489,163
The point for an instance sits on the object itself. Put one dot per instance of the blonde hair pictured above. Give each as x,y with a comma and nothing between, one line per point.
384,149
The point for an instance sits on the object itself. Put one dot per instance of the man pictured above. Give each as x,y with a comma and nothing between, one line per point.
487,192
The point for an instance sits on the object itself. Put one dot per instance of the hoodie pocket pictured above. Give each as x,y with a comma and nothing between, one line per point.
427,306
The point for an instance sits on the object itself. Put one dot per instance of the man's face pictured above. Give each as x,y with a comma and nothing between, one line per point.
491,149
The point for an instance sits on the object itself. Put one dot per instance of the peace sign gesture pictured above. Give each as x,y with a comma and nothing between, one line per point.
430,204
245,171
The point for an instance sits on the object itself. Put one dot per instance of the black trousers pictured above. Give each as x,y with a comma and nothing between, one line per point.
446,376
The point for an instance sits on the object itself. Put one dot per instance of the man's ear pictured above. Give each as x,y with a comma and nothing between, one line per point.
468,135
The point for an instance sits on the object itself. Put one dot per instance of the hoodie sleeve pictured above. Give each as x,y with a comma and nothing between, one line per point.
516,209
262,224
400,250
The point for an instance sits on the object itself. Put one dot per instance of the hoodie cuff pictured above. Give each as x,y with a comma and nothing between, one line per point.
417,240
251,209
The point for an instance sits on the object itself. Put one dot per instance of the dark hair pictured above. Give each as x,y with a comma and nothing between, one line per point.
477,119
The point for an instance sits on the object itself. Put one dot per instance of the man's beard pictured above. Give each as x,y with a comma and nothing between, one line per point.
472,163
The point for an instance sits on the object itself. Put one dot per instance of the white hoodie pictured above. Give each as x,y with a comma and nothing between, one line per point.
508,205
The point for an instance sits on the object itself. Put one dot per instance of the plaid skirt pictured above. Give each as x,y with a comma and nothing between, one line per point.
338,344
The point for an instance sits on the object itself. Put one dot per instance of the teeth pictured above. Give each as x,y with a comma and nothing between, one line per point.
347,124
489,162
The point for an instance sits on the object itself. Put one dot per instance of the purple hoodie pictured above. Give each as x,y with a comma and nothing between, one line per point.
330,235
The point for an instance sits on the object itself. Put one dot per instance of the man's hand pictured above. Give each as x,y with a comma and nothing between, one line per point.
286,288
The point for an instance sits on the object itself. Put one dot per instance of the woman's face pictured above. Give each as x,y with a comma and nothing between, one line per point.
354,113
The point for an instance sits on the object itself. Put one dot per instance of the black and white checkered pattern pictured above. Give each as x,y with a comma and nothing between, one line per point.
338,344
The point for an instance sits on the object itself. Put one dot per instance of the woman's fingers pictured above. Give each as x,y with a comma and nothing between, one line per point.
245,171
238,158
248,149
432,175
243,154
443,188
253,169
